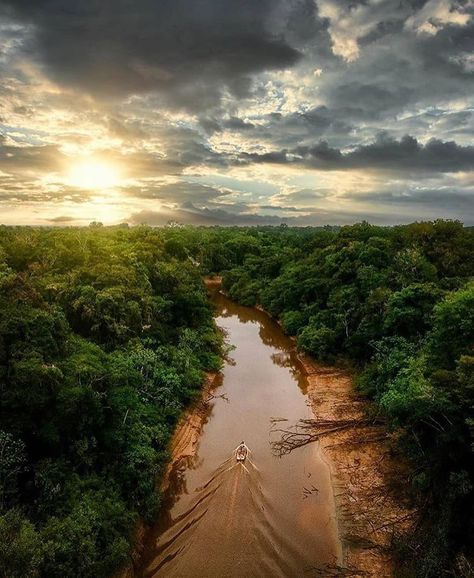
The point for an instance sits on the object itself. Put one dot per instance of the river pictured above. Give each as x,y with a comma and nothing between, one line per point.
269,517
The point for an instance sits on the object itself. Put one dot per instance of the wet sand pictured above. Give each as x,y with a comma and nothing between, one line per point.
269,516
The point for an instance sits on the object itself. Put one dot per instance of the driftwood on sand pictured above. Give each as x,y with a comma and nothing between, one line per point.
307,431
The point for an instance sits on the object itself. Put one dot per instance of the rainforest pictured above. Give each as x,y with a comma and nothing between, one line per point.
107,335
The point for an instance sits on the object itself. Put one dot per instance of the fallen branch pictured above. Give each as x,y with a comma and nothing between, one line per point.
211,397
396,521
307,431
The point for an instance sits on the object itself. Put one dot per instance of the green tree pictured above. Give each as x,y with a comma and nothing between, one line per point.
12,464
21,549
409,310
318,341
453,328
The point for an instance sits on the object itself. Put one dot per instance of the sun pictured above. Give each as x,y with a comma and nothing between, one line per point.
93,174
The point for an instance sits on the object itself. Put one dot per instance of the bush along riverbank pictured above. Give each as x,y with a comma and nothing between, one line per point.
399,303
105,335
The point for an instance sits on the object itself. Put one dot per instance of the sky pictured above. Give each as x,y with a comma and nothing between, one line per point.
236,112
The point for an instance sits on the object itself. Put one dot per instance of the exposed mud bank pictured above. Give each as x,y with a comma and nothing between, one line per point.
186,437
369,476
182,447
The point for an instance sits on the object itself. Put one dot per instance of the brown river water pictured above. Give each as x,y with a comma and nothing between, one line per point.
268,517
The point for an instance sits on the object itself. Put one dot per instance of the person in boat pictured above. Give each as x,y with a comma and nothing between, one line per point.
242,449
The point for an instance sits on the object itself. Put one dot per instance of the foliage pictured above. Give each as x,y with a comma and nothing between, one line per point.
21,552
318,341
104,337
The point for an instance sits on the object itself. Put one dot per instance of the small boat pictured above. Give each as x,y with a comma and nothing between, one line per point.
241,452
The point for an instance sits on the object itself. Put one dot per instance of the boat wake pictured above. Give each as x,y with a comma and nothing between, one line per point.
228,530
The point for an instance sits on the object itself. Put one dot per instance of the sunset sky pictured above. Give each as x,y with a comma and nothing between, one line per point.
236,111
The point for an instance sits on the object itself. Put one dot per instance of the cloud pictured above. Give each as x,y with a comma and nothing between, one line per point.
62,219
435,15
191,215
286,130
188,51
442,198
408,153
399,70
14,159
220,217
232,110
453,201
354,24
385,153
302,197
178,192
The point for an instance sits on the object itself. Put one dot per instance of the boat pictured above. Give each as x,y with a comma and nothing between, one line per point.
241,452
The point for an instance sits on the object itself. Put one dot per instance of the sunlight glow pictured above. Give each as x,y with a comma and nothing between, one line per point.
93,174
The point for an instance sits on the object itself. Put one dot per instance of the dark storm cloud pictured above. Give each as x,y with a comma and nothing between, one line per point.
408,153
286,130
188,50
312,121
384,154
232,124
453,125
235,123
399,66
362,100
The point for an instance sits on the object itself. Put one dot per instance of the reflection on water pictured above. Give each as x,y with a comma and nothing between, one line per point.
266,517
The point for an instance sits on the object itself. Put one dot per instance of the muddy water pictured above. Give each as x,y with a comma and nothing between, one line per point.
268,517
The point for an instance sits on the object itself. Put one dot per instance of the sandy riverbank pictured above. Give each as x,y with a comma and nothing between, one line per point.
368,474
186,437
182,447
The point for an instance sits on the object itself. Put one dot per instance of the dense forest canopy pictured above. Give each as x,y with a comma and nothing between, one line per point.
105,334
104,337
